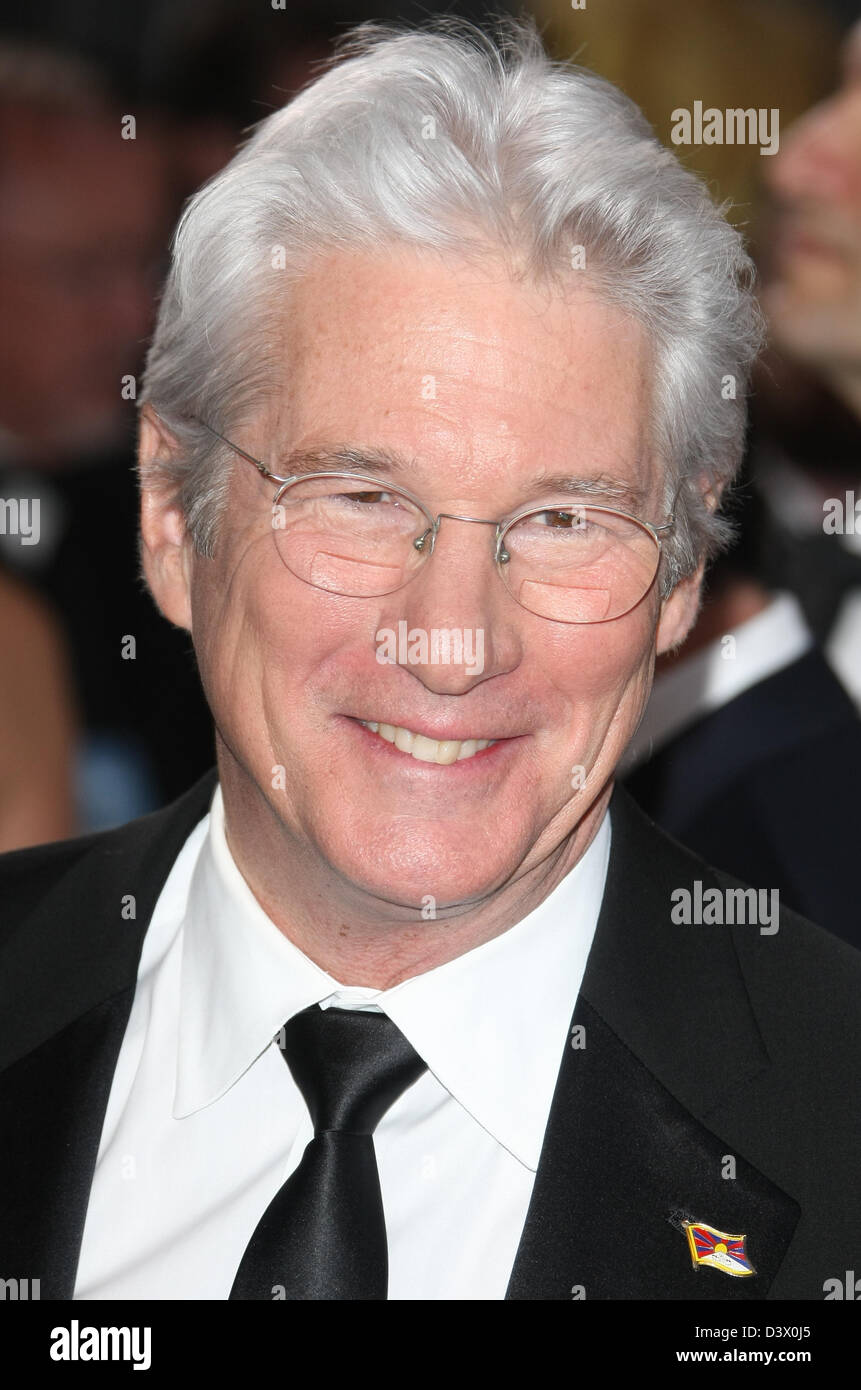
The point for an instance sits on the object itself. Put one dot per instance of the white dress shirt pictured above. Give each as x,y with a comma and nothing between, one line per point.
843,647
800,505
204,1121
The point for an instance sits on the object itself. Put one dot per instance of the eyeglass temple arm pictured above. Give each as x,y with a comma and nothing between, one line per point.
668,525
276,478
261,467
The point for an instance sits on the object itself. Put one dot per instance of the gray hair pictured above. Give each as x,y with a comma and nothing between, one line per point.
527,155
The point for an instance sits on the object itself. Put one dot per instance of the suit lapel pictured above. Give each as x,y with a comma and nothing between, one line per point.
623,1163
74,962
52,1106
633,1140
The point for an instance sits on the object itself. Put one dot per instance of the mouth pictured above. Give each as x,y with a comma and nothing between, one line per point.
794,240
442,752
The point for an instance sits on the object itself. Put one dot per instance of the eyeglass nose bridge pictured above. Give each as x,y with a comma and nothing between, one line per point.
432,531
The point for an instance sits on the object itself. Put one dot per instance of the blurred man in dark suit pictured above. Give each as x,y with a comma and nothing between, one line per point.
807,416
750,748
749,712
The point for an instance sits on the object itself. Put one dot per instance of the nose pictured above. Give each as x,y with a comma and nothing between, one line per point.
457,625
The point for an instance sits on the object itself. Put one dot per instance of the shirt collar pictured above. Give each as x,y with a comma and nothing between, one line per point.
490,1024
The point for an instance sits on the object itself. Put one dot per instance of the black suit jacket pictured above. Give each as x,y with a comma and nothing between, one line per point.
767,787
702,1043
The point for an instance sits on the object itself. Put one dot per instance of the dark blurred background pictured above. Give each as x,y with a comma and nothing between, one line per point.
101,715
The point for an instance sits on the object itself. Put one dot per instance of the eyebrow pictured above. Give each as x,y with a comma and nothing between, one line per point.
386,463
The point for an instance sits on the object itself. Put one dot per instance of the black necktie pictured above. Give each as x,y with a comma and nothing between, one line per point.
323,1235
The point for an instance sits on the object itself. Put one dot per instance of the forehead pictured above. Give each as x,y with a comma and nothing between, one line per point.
460,366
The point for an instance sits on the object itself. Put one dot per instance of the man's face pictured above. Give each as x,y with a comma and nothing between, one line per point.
486,385
814,300
83,222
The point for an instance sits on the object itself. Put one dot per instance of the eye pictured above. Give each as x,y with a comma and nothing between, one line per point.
561,519
369,498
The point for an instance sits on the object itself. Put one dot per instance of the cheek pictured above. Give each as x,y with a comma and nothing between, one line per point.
269,648
600,681
597,666
235,636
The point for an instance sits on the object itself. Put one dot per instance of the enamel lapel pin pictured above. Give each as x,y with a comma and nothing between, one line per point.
708,1246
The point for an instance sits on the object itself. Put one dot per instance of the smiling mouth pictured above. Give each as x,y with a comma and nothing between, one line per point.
428,750
796,240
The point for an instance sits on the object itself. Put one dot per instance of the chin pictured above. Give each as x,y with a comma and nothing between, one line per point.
427,868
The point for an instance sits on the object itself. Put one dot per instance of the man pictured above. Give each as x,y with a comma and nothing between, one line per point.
807,436
432,441
84,217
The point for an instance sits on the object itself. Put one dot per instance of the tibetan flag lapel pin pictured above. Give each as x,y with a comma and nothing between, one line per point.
709,1246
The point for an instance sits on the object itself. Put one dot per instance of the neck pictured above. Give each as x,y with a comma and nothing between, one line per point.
356,936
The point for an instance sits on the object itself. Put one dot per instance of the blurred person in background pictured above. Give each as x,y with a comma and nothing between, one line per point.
84,221
37,723
807,410
750,748
213,70
667,54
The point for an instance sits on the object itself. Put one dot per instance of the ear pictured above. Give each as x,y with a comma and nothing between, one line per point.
679,612
166,551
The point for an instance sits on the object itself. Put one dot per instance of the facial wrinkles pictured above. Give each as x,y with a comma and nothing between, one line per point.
308,658
496,382
483,380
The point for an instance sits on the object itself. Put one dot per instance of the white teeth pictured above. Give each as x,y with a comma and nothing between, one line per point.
404,740
447,751
428,750
423,749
